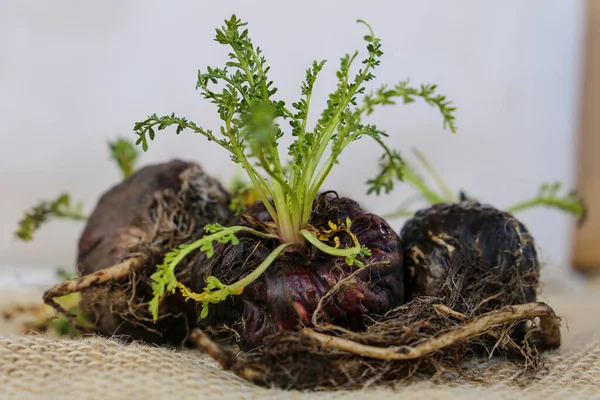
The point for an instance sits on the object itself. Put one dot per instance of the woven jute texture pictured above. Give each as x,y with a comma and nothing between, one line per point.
42,366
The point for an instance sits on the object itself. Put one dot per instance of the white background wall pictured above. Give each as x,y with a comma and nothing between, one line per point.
74,74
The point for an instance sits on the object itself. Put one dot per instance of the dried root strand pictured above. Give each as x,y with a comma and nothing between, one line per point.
102,277
480,325
339,358
227,359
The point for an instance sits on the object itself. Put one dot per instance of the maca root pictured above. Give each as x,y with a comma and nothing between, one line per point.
288,293
313,322
503,245
481,303
133,225
476,256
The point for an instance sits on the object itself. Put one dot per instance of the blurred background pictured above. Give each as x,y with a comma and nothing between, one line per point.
74,75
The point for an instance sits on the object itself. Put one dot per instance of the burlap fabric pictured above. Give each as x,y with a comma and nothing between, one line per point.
37,366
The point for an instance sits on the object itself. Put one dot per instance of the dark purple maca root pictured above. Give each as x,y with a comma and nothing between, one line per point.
285,297
155,209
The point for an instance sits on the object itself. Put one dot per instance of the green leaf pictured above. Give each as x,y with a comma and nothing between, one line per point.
549,196
204,312
125,155
215,291
164,280
253,123
391,168
59,208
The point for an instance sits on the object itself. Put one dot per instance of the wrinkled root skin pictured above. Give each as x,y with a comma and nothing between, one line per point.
498,244
155,209
288,293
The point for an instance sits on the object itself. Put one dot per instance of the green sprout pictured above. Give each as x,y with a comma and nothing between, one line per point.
125,155
548,196
252,125
59,208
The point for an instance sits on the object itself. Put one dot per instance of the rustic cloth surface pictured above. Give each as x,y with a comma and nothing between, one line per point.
43,366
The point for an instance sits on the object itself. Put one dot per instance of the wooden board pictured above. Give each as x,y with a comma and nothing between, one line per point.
586,252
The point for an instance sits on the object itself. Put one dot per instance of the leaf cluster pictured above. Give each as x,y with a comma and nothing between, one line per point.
252,123
164,279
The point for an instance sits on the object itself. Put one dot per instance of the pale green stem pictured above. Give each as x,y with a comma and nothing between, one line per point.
237,287
348,252
284,189
399,213
284,221
261,186
558,203
198,243
254,275
412,179
318,182
244,65
73,215
450,195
